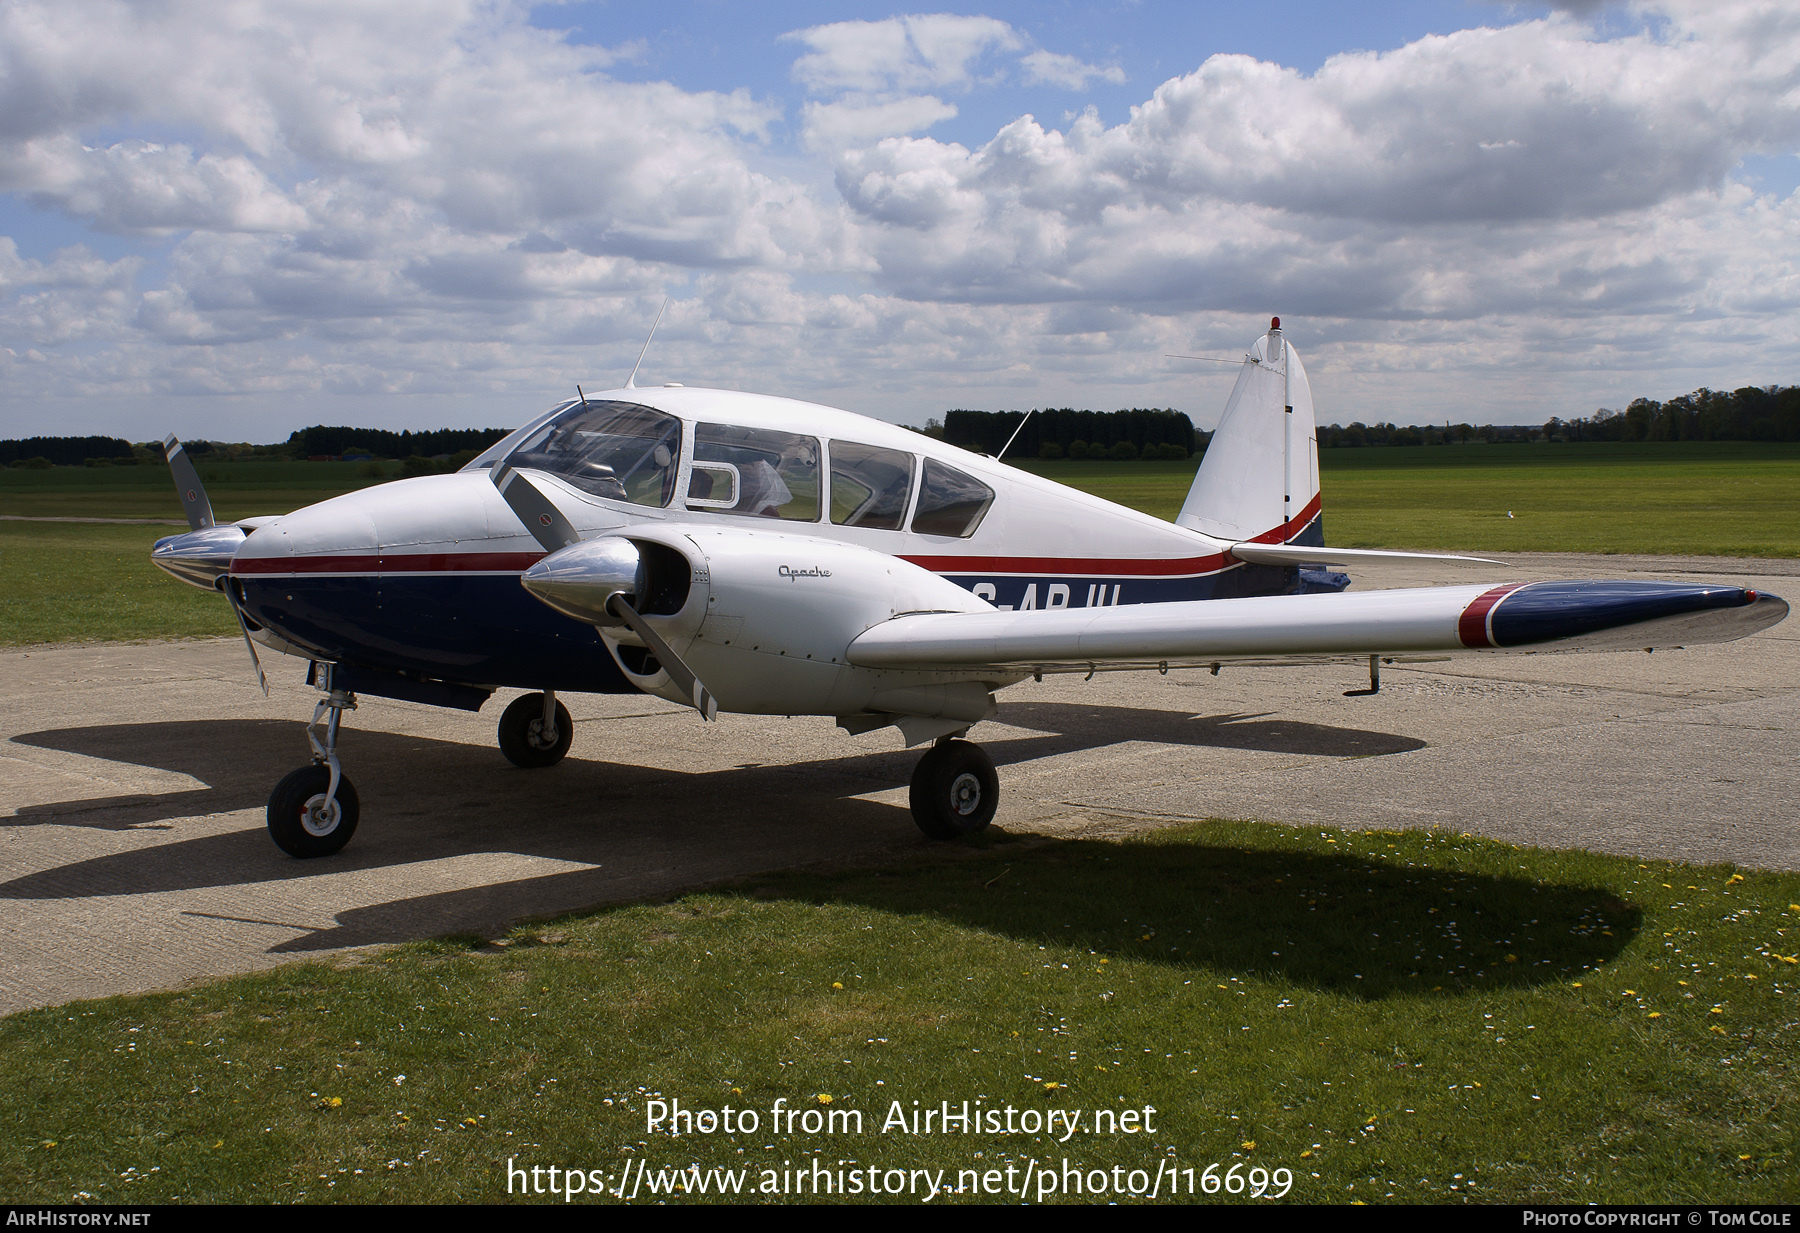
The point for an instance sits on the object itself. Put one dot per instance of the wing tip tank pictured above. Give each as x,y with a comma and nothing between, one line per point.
1604,615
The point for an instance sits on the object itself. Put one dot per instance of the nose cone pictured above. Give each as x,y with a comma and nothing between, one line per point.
199,558
578,580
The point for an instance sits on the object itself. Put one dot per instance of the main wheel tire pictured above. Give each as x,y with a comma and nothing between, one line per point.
954,790
297,822
522,733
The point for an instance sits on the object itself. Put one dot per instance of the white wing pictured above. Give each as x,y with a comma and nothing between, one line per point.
1404,624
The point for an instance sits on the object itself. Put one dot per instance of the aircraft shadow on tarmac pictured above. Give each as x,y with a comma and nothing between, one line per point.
642,831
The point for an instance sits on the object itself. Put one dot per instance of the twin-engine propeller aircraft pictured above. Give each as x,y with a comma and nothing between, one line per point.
735,552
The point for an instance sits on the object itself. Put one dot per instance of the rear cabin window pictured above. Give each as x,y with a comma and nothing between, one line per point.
869,486
950,502
755,471
617,450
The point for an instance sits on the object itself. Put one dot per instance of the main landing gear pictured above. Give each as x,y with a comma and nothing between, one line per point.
536,730
954,789
313,812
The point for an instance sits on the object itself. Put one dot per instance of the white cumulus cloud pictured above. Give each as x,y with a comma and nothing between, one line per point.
435,198
926,52
1069,72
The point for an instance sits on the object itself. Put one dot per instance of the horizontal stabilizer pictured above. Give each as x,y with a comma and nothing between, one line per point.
1528,617
1299,554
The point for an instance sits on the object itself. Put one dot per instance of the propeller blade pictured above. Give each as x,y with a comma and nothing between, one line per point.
680,673
188,487
244,626
540,516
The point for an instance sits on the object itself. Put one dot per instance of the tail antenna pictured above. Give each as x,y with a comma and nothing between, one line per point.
631,381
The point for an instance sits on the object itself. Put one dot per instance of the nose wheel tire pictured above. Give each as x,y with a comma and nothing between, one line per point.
522,736
302,824
954,790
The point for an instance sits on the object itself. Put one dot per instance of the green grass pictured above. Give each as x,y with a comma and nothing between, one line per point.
75,582
237,490
1713,499
1399,1013
78,582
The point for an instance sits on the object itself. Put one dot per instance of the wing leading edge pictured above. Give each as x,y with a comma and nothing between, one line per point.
1425,622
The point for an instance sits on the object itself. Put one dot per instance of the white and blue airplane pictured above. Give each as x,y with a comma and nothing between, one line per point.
735,552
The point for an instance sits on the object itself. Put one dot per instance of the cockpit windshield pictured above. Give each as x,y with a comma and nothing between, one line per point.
618,450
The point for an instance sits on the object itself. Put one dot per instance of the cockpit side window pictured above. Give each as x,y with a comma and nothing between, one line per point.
617,450
869,486
950,502
773,474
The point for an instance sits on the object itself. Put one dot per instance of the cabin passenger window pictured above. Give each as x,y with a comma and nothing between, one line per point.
618,450
869,486
950,503
755,471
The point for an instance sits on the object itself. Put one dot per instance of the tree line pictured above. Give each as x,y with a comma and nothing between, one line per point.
321,441
1752,413
1067,433
1339,436
65,451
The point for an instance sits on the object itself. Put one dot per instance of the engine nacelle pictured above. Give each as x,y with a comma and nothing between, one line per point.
764,617
582,579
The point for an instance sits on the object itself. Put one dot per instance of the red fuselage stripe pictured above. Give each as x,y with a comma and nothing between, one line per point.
1472,626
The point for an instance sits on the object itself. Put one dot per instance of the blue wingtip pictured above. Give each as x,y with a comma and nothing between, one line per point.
1631,614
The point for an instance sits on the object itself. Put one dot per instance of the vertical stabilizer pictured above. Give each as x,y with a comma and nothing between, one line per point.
1260,477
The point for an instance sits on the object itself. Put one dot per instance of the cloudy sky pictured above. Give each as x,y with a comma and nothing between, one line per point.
231,218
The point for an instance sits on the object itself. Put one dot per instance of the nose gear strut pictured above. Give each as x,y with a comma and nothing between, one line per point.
314,811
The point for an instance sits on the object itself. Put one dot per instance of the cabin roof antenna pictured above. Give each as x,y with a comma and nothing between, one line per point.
631,381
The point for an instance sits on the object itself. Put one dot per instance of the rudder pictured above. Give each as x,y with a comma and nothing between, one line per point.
1259,480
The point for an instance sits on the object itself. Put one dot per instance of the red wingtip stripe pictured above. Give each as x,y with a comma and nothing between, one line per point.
1473,627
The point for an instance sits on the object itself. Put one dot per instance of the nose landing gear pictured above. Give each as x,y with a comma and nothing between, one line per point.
314,811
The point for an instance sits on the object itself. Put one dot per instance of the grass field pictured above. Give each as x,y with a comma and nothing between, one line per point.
1715,499
75,582
237,490
1399,1017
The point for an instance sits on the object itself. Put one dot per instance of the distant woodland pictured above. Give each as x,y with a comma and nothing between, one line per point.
1121,436
1752,413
